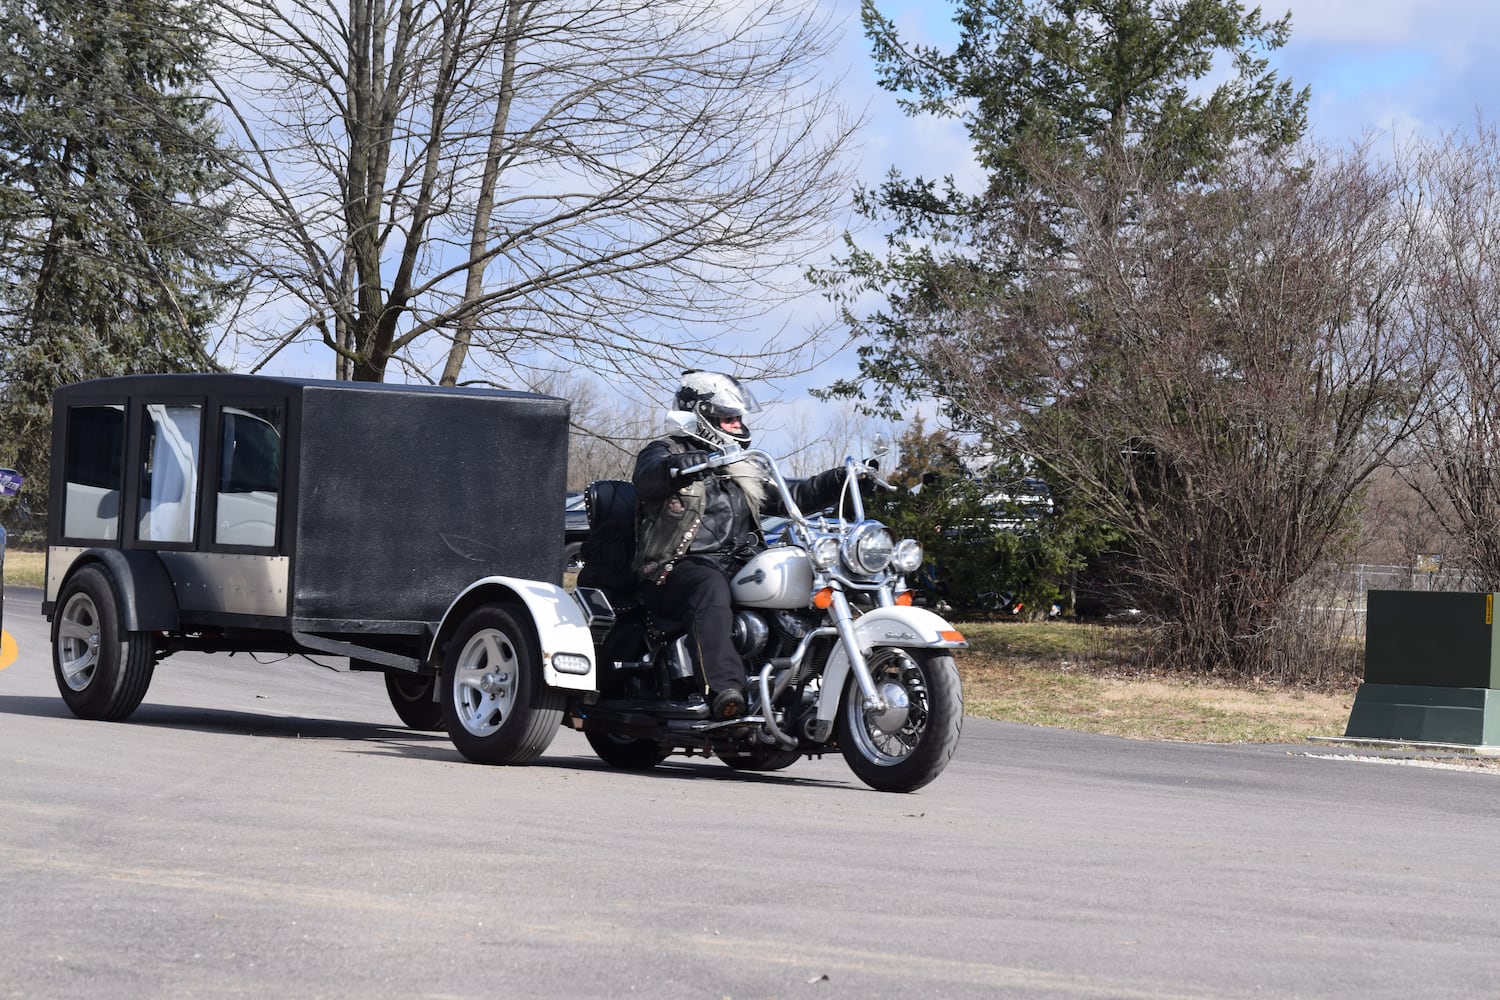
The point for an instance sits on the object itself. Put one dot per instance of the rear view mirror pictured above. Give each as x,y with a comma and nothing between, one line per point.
883,454
682,422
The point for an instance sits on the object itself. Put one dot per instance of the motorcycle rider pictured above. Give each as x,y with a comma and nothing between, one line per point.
694,529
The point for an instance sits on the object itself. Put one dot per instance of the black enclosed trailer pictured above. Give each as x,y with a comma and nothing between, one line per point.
234,512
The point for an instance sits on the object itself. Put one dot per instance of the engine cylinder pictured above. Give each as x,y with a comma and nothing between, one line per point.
750,634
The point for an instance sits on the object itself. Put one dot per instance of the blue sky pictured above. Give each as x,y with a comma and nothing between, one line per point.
1394,65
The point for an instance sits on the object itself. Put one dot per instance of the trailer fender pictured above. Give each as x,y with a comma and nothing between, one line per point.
148,601
563,636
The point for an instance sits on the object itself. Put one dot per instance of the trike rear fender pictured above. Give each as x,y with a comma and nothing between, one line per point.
563,637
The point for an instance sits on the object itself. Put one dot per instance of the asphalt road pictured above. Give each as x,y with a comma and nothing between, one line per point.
269,830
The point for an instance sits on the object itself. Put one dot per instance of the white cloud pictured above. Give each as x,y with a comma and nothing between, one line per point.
1355,21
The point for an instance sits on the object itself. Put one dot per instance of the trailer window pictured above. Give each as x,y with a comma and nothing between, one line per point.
95,466
249,475
169,472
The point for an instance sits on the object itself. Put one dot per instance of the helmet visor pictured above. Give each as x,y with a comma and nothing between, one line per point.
720,397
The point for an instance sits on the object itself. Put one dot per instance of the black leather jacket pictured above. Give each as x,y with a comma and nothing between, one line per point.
708,516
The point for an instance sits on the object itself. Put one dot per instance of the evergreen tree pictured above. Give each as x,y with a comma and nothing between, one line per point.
112,233
1041,80
1075,109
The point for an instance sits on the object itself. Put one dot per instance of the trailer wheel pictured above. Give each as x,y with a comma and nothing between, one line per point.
102,671
759,758
415,699
626,752
495,706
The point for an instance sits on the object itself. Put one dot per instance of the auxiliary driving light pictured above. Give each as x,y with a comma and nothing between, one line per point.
824,552
908,556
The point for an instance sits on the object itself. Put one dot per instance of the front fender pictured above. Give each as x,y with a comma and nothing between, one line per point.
567,646
898,625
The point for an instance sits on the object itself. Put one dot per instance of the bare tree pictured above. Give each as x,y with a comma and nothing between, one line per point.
605,431
1397,524
475,190
1213,369
1457,289
821,441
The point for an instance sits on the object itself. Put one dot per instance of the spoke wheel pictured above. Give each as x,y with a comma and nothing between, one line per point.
102,671
496,708
910,742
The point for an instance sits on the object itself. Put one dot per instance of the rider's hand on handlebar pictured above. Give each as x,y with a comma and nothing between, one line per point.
870,482
686,460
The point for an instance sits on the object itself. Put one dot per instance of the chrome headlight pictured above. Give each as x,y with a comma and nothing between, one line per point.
908,556
867,548
824,552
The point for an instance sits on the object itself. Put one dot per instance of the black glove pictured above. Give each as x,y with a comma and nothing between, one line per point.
869,482
687,460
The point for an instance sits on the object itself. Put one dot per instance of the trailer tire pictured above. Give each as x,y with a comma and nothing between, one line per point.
625,752
415,699
496,707
759,758
102,671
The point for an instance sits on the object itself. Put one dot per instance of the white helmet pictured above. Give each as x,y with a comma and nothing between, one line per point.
713,397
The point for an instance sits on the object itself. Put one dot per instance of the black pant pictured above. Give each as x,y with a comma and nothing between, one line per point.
697,593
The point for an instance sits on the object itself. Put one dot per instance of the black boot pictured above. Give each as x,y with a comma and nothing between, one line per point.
729,704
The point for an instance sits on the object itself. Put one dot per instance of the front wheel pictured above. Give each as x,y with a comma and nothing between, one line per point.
496,708
909,743
102,671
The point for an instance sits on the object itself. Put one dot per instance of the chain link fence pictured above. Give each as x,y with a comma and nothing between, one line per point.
1355,580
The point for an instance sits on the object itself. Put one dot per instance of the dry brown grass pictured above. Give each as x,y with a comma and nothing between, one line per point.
1090,678
24,569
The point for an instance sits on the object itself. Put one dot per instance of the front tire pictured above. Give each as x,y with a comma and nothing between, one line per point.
102,671
911,743
415,699
496,708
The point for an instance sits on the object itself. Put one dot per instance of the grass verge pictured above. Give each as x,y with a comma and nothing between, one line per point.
1081,677
1086,678
25,569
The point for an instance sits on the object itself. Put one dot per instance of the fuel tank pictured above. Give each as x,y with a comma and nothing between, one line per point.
779,577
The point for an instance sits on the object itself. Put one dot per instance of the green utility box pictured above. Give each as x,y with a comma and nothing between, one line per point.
1432,669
